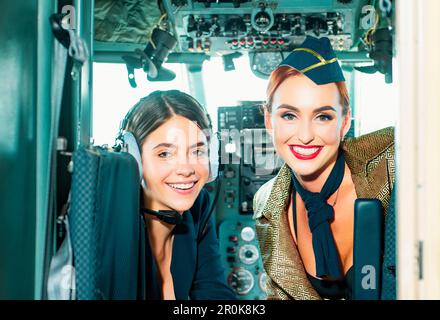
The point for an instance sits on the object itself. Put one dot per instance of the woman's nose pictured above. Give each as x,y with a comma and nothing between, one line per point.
185,170
305,133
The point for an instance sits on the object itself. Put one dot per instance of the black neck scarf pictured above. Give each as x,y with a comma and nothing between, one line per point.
320,214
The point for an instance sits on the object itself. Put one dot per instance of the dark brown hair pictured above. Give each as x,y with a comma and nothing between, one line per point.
155,109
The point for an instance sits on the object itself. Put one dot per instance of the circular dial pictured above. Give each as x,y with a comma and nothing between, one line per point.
263,63
262,278
241,281
247,234
248,254
262,20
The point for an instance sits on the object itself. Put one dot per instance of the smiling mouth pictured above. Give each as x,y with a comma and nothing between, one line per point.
305,153
182,188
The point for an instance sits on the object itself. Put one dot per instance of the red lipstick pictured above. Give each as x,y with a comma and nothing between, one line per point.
305,156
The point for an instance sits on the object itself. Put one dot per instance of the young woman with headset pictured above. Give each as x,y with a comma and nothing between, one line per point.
170,135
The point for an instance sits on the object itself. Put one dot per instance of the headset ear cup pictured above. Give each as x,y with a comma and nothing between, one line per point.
132,148
214,164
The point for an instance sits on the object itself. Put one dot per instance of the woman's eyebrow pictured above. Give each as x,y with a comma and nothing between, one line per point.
198,144
166,145
288,106
170,145
324,108
320,109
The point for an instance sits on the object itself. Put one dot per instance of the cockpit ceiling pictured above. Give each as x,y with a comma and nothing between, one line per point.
225,26
264,29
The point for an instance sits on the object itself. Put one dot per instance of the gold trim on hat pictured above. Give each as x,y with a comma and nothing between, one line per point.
321,62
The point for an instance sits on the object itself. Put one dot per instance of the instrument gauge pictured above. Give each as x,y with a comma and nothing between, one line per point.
264,62
241,281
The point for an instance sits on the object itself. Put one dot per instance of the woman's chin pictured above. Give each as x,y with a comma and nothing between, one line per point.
303,171
180,207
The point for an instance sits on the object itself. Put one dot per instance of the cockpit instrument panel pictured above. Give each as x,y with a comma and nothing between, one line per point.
225,26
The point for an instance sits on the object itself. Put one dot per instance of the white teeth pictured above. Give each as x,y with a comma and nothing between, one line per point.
182,186
305,151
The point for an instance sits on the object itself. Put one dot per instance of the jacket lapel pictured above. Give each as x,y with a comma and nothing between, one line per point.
282,261
371,162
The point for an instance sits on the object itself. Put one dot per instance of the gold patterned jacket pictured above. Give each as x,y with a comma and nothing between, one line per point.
371,161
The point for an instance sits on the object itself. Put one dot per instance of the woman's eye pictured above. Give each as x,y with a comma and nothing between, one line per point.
324,117
288,116
199,153
164,154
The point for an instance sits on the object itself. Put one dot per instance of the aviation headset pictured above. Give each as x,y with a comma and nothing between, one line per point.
127,142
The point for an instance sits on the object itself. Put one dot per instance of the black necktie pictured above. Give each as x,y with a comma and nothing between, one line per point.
320,214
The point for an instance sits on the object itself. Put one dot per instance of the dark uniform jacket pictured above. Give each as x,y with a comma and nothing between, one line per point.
195,266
